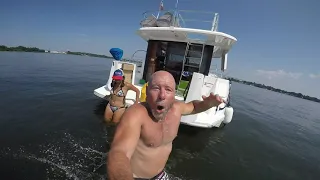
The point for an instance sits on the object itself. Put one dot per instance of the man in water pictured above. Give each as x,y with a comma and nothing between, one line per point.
144,136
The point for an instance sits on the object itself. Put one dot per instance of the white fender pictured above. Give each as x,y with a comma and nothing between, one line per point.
228,115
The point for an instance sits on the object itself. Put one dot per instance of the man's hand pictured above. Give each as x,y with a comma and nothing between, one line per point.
212,100
196,106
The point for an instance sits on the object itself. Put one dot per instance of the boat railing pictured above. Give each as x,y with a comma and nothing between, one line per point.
132,61
179,18
214,69
137,59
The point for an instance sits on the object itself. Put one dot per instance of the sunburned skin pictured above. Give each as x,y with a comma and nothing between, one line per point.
144,136
155,145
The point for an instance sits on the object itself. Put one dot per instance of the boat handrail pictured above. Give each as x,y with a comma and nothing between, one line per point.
215,70
131,61
137,61
178,16
140,50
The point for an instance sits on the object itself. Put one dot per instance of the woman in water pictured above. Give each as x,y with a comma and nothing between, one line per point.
117,105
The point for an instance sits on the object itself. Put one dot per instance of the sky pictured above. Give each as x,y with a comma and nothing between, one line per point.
277,40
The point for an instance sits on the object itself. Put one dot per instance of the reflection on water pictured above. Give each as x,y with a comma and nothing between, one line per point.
51,127
65,158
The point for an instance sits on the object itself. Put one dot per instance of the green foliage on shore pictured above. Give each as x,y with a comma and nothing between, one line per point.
298,95
87,54
34,49
21,49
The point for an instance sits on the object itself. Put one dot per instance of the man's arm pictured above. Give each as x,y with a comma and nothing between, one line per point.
124,144
196,106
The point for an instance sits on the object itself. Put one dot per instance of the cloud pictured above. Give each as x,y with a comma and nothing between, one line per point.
314,76
278,74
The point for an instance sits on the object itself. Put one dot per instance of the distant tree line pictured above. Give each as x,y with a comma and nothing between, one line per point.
21,49
34,49
87,54
299,95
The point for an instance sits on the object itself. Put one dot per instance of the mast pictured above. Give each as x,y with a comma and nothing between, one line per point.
176,14
160,8
215,22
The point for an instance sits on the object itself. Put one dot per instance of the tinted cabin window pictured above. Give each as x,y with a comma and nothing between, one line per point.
206,60
174,59
169,56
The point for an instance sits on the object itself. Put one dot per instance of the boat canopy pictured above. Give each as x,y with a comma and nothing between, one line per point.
172,27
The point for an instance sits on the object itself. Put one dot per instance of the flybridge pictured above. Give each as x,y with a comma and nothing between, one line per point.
175,18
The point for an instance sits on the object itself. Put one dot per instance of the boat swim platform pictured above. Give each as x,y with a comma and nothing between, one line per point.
103,92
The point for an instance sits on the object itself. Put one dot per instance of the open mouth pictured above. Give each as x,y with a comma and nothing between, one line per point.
160,108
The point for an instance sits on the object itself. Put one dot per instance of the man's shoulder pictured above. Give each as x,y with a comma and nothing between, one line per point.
138,106
134,114
136,110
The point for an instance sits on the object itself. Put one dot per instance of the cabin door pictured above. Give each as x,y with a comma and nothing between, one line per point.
174,59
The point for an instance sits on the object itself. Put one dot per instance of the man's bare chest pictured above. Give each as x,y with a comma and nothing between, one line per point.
155,134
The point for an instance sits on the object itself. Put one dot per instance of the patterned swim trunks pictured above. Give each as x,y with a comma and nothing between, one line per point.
161,176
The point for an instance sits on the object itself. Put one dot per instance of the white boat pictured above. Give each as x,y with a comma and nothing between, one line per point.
188,59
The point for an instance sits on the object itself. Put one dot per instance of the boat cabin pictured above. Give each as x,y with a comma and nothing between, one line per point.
179,58
187,54
172,48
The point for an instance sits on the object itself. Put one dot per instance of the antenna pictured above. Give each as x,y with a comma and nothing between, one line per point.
215,22
160,8
176,14
176,6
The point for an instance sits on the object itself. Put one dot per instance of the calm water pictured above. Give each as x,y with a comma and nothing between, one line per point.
51,127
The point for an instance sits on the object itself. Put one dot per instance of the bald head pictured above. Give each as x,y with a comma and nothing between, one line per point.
163,76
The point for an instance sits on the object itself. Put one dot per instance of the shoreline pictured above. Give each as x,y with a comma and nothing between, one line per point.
37,50
4,48
270,88
262,86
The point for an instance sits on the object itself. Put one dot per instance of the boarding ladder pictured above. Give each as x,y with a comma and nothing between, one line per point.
192,62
